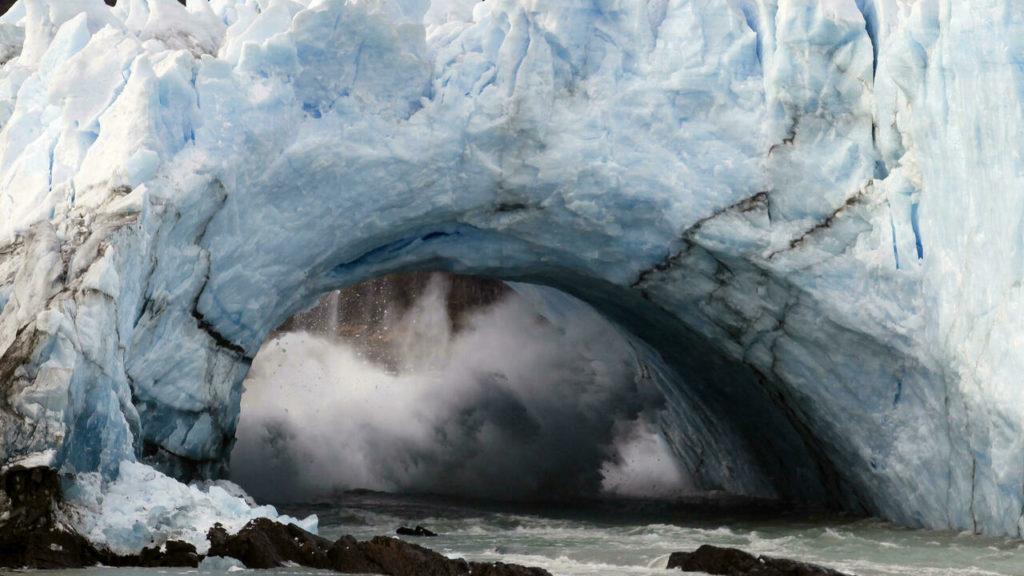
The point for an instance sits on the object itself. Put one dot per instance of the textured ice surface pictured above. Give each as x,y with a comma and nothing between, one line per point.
808,208
144,507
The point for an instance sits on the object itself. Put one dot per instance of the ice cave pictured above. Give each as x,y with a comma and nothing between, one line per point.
799,214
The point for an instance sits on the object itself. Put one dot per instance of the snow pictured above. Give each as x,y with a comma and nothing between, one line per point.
806,208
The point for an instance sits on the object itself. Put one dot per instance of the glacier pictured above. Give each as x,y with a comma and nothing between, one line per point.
804,208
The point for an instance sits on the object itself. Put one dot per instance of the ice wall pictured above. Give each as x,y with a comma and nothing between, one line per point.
805,207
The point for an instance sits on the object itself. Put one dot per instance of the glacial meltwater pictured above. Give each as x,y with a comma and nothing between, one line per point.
636,537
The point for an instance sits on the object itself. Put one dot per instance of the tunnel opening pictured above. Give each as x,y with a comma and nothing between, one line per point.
456,385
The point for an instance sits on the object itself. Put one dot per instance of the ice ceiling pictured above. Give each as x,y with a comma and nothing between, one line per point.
806,208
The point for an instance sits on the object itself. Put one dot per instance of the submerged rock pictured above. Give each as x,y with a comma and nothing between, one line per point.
733,562
502,569
417,531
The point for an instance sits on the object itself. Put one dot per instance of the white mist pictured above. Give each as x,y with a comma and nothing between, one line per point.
515,405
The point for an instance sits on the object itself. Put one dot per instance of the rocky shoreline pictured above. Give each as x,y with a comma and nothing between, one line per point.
32,536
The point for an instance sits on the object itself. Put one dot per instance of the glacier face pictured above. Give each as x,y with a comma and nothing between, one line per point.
803,206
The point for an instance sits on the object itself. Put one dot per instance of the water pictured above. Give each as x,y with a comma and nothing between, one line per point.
635,537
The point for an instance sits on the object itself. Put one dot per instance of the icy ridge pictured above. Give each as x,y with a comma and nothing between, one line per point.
803,206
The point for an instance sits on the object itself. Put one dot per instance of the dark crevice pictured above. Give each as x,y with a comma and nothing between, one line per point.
823,225
201,321
391,249
748,204
974,471
1020,517
666,264
949,442
217,337
503,207
789,138
868,11
210,330
915,226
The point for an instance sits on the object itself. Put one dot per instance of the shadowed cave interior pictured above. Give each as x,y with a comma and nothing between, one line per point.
454,385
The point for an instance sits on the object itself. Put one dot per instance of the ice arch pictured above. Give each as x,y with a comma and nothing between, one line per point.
803,206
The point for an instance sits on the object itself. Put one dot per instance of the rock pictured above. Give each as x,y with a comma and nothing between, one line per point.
29,534
733,562
32,494
713,560
31,537
417,531
46,550
502,569
219,564
263,543
399,558
218,537
348,557
175,554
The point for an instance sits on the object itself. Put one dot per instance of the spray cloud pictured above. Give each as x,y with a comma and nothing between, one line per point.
519,403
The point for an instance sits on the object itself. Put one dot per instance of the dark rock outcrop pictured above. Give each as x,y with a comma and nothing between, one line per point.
30,535
31,494
394,557
417,531
347,556
173,554
399,558
47,549
263,543
733,562
177,553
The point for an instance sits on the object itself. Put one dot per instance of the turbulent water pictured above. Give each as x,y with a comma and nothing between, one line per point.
635,537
